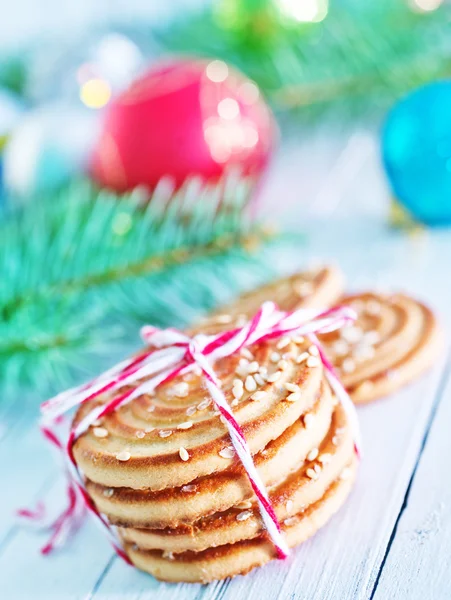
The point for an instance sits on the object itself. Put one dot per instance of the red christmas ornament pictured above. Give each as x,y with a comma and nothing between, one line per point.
183,118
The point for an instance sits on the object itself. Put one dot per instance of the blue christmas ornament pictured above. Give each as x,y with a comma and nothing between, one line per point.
416,149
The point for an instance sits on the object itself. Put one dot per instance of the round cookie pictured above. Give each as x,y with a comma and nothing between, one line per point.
303,487
394,340
219,491
140,444
229,560
317,288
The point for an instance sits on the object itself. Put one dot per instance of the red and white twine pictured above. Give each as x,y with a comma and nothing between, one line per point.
173,353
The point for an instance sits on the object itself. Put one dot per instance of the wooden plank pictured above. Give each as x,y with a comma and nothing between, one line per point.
418,564
68,574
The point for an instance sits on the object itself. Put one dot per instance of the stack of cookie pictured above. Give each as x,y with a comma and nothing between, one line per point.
164,472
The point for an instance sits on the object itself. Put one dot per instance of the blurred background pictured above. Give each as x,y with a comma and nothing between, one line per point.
158,158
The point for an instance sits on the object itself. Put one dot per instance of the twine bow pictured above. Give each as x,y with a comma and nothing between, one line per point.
173,353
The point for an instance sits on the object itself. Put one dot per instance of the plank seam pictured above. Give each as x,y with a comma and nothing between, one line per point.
101,577
439,395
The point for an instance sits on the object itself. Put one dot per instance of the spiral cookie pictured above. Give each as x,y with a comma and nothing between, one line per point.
394,340
163,470
316,288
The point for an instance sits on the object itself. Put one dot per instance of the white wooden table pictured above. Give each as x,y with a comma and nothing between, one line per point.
392,540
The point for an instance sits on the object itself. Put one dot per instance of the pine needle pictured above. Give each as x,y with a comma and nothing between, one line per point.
81,270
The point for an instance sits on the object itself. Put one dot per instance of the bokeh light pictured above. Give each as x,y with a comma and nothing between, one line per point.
95,93
217,71
426,5
304,11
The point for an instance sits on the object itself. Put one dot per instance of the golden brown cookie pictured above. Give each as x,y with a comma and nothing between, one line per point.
316,288
394,340
163,470
241,557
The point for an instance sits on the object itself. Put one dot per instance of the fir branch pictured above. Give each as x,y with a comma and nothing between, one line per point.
79,271
360,52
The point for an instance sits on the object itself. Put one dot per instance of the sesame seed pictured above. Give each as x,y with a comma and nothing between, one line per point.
243,516
274,357
289,505
108,492
335,440
169,555
250,384
242,370
243,362
234,402
203,405
317,468
313,454
282,364
340,347
244,504
303,289
373,308
164,433
325,458
149,429
274,377
288,355
253,367
238,383
228,452
100,432
352,334
185,425
247,353
259,379
313,361
292,387
188,488
348,365
298,339
311,473
303,356
364,353
308,420
294,397
191,410
123,456
259,396
371,337
283,342
241,320
263,370
97,423
183,453
223,319
151,408
313,350
181,389
237,392
345,474
290,521
140,434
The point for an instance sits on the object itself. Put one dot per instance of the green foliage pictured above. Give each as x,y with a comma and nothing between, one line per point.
362,56
81,270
